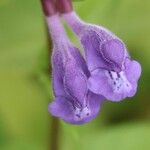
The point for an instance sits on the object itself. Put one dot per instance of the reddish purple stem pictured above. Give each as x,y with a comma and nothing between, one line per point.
49,8
64,6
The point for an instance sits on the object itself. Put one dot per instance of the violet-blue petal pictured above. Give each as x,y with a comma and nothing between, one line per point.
73,103
57,73
133,73
91,45
79,60
99,83
113,51
95,102
108,54
75,81
62,107
132,70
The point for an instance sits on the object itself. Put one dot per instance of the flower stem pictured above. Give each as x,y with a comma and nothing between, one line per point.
49,8
64,6
55,134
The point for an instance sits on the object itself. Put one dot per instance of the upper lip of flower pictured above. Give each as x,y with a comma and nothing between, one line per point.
81,110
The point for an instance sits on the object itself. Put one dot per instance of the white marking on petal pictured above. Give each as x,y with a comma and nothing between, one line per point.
82,113
118,82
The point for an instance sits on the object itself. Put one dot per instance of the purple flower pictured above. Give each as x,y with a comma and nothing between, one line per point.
113,73
73,103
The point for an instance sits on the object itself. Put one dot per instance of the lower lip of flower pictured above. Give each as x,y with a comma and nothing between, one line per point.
82,113
118,81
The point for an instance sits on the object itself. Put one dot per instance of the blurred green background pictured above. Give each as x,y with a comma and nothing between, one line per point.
25,91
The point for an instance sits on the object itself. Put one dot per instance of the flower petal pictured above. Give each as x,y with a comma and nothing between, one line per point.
95,102
62,108
94,106
99,83
79,59
75,81
113,51
57,73
133,90
91,44
133,73
132,70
